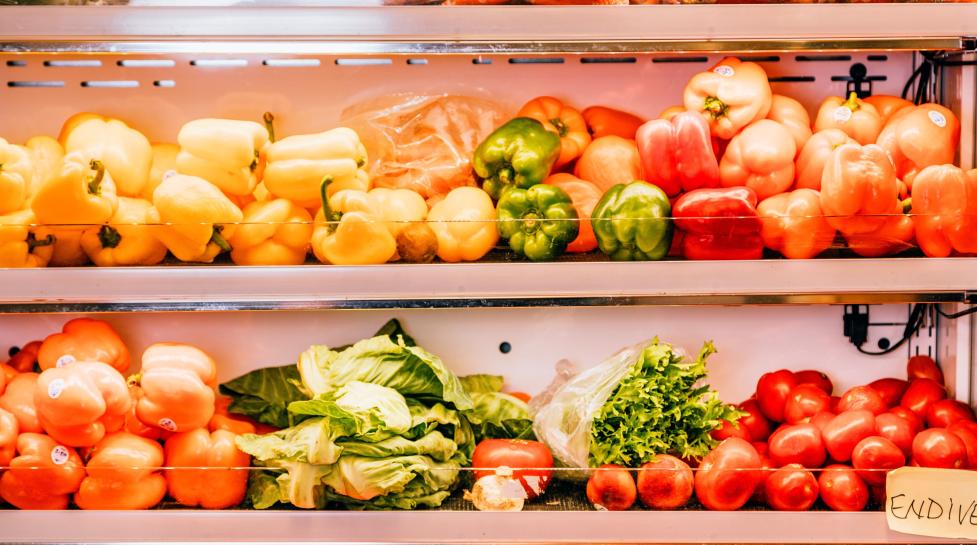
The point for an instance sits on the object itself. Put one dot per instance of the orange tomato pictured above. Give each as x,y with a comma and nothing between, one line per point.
585,196
609,160
564,121
603,121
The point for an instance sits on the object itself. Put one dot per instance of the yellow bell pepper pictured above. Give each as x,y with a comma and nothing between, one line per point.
82,194
464,222
226,152
164,160
47,155
125,152
197,218
67,248
350,229
272,233
398,207
16,171
297,164
128,239
21,243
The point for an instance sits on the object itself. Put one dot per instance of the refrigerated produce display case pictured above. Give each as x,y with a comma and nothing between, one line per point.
423,86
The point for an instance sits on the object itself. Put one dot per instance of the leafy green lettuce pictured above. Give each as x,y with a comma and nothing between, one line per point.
496,415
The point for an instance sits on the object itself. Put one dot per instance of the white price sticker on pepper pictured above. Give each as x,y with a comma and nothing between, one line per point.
725,71
932,502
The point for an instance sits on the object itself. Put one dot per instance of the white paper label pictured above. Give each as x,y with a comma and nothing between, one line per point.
937,118
55,388
59,455
932,502
724,71
842,114
167,424
66,359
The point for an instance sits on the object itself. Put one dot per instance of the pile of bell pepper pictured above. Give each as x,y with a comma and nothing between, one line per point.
75,429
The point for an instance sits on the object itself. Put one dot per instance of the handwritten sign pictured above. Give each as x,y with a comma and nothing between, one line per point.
932,502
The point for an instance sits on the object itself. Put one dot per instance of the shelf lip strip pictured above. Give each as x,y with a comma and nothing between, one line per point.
591,283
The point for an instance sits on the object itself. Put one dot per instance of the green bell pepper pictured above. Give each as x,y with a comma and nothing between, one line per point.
520,154
538,222
632,222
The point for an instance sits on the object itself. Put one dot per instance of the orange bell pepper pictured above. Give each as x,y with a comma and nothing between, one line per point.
9,429
564,121
178,382
608,161
18,399
135,426
603,121
761,158
858,188
670,112
84,339
811,160
72,401
584,196
210,488
854,117
25,359
43,475
896,235
887,105
794,225
731,95
918,137
8,373
793,116
945,210
123,473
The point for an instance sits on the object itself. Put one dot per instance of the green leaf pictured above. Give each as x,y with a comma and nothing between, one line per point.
475,384
264,394
499,415
374,412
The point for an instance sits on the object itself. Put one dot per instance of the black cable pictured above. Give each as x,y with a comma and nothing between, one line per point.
955,315
917,316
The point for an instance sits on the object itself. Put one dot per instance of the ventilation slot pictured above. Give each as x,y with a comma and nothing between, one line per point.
219,63
164,83
866,78
35,84
823,58
291,63
878,58
679,59
417,61
792,79
760,58
111,84
147,63
536,60
17,64
480,60
73,64
363,62
608,60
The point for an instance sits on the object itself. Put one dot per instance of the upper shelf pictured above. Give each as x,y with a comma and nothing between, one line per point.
488,285
489,29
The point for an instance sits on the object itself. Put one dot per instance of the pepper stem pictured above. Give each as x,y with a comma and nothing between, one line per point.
505,176
560,126
95,184
217,238
270,125
109,236
328,213
907,205
33,243
852,102
134,380
715,107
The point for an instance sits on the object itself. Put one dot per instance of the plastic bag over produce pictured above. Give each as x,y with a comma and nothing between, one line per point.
423,142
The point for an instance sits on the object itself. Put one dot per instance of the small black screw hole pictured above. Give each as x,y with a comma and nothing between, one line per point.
505,348
884,343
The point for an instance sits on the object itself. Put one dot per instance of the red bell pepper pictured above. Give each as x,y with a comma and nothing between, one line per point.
719,224
677,154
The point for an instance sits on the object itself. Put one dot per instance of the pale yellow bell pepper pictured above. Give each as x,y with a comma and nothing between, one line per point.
47,155
125,152
16,171
226,152
128,239
82,194
272,233
197,218
350,229
398,208
164,161
297,164
67,248
464,222
22,244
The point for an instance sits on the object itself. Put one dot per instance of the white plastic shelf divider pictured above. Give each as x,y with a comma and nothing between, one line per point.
217,287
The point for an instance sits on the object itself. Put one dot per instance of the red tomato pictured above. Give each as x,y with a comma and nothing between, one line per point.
842,489
761,447
835,400
877,456
516,453
937,447
805,401
923,367
915,422
943,412
771,393
890,389
611,487
754,421
725,481
922,392
966,431
766,468
898,430
727,429
797,444
845,431
791,488
816,378
665,483
862,397
821,419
